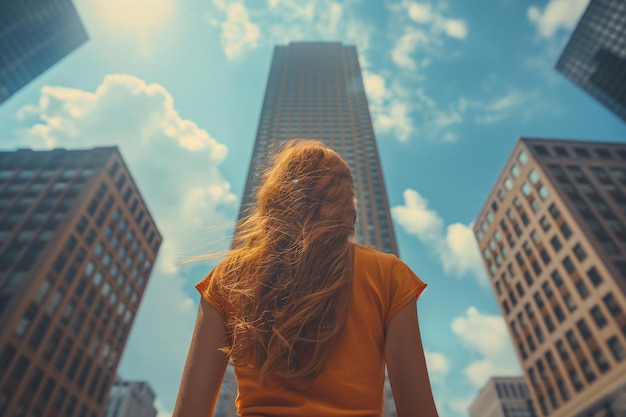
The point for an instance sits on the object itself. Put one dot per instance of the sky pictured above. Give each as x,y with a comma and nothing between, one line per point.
452,85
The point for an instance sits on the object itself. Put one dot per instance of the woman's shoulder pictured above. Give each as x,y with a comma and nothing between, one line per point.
362,252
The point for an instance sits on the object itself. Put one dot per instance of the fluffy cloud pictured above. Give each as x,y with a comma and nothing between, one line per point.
238,32
390,106
487,337
502,107
406,45
557,14
175,165
285,21
455,246
431,30
438,366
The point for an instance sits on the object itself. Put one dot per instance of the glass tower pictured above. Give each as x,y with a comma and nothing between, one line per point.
595,56
34,35
77,245
315,90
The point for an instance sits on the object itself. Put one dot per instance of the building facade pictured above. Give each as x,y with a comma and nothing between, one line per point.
503,397
315,90
77,245
130,399
34,35
552,235
595,56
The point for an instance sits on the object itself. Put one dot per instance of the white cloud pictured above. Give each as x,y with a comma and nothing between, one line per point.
238,32
438,366
175,165
429,34
390,106
500,108
486,336
455,28
161,410
285,21
406,45
456,248
557,14
420,13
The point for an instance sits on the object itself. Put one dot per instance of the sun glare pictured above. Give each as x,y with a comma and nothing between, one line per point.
133,16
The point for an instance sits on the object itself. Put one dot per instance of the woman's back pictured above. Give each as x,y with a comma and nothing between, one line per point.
300,310
351,383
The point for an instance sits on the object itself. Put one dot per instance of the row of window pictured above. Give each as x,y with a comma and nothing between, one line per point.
540,370
139,216
580,151
50,395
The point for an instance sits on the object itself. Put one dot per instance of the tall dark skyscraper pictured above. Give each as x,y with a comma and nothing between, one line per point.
595,56
34,35
315,90
77,245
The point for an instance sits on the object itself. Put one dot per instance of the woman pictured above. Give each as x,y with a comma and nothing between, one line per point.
308,318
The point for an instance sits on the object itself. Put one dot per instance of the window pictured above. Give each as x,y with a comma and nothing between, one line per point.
515,171
601,362
563,390
55,301
579,252
611,304
556,277
566,231
533,177
560,347
582,152
549,323
598,317
571,338
616,348
583,329
545,223
568,265
590,376
541,150
594,276
547,290
558,312
582,289
556,243
43,290
554,212
538,299
508,184
543,192
522,157
526,190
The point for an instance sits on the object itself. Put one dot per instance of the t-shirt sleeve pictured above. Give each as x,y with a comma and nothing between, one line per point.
208,290
404,285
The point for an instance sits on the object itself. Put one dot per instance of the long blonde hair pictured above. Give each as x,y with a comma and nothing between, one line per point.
288,276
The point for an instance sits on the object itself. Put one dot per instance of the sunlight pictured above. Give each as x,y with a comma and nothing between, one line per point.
133,16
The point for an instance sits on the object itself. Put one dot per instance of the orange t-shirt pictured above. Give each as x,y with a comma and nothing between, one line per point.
352,381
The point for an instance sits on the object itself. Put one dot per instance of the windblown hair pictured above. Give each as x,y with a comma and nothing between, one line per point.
289,274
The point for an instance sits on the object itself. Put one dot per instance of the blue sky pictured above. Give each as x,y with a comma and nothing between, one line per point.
178,85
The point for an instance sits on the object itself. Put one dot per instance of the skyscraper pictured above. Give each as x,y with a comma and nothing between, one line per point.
553,239
130,399
34,35
77,245
315,90
595,56
503,397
